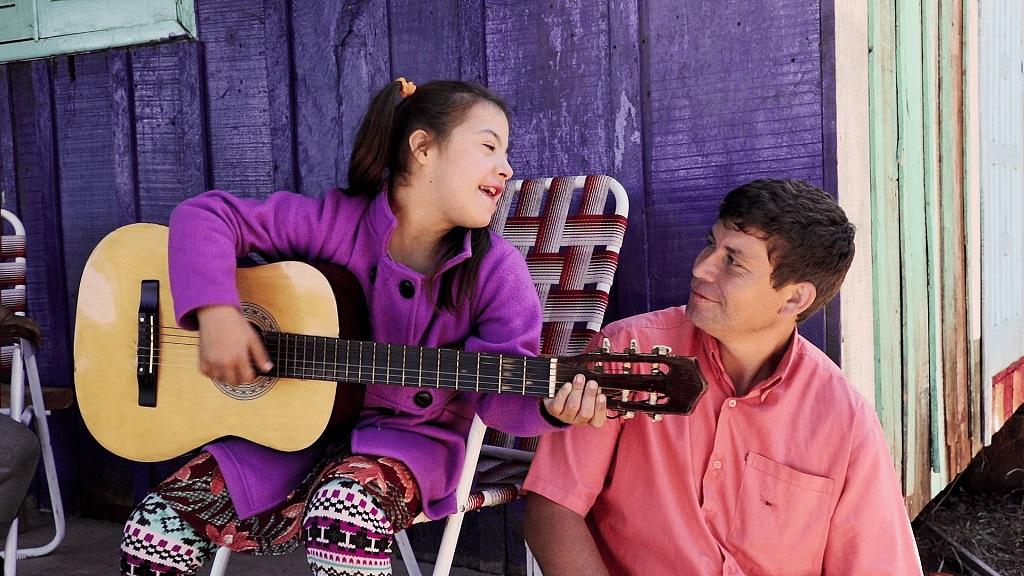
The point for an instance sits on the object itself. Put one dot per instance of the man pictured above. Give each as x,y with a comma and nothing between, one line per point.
19,448
781,469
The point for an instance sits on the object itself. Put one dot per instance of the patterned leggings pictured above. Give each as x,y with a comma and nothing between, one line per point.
348,525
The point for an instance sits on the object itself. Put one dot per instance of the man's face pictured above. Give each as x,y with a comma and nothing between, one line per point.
731,292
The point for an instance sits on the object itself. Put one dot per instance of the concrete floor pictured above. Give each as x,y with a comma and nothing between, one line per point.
91,547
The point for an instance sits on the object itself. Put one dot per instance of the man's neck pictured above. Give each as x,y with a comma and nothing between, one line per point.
750,360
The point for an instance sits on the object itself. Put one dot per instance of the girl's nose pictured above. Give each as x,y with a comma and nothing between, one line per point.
505,170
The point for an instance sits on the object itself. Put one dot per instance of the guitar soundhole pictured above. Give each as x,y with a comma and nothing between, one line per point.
263,322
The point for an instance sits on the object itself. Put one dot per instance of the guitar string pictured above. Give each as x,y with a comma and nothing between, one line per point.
305,365
488,383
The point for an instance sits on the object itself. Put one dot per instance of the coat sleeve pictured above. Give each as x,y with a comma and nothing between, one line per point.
870,531
209,232
508,321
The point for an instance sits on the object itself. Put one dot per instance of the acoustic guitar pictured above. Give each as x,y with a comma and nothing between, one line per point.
143,397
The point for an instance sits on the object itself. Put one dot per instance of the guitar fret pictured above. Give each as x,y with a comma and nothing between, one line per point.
524,376
478,372
404,350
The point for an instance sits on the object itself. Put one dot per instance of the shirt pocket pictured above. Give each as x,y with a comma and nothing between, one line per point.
781,519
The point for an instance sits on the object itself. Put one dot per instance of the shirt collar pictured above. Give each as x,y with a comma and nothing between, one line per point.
712,349
383,222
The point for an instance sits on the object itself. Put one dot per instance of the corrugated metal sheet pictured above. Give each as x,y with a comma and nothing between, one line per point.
1002,195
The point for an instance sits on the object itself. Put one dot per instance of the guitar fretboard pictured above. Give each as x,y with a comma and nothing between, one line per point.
321,358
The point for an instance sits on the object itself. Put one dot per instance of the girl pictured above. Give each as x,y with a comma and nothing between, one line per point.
425,176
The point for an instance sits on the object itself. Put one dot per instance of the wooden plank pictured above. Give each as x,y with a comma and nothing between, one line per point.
853,169
420,56
934,417
829,160
954,273
122,120
473,48
913,243
168,124
885,225
278,31
332,93
7,158
550,62
89,194
631,292
238,121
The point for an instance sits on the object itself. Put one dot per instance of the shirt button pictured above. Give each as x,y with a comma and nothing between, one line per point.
717,464
423,399
732,403
406,289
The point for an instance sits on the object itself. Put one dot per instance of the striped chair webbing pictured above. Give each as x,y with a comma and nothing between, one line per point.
570,230
12,286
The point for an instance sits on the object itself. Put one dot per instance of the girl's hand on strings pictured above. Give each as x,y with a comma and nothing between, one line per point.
579,402
230,349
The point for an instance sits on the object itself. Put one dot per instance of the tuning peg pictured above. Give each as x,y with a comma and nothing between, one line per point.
661,350
633,347
629,415
606,346
657,417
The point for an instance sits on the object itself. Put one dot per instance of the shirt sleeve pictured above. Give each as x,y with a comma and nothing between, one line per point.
507,318
209,232
870,531
571,466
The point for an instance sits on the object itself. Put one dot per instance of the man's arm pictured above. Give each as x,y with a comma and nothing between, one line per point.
560,539
870,531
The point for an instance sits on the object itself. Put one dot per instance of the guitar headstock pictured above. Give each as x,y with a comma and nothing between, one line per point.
655,383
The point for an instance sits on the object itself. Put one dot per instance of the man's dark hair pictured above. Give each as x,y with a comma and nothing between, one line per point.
809,238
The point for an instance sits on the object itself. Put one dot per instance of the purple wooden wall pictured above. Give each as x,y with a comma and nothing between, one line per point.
680,101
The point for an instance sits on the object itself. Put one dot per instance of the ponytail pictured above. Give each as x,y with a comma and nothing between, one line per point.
374,146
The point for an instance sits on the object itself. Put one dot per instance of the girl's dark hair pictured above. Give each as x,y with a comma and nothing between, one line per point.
380,155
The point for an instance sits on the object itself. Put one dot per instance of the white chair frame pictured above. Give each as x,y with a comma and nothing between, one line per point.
24,371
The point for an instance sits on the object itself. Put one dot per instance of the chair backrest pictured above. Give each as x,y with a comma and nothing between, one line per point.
12,276
570,230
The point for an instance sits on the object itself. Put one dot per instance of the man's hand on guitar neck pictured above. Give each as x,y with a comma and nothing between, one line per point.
230,349
579,402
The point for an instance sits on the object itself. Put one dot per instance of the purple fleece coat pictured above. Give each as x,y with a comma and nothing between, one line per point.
208,233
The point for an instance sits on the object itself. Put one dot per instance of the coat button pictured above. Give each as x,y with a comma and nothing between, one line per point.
423,399
373,274
406,289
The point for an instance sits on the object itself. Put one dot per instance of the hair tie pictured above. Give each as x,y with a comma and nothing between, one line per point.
407,87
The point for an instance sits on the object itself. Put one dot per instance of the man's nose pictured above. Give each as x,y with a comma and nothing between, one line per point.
702,267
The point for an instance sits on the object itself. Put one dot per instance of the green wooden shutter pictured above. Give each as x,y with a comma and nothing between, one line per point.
68,26
15,20
63,17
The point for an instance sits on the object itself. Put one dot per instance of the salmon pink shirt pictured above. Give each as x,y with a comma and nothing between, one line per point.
793,478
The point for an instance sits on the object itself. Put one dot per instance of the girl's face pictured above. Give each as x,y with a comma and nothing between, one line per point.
467,174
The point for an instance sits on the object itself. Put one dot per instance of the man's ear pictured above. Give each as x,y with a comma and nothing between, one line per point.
801,296
419,144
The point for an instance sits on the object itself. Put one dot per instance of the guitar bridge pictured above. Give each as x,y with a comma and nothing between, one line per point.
148,343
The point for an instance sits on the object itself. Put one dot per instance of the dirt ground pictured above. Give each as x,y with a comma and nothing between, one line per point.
964,532
976,526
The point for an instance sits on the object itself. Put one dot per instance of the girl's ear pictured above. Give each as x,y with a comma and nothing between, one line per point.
801,296
419,144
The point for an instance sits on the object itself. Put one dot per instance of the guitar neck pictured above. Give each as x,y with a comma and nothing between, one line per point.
321,358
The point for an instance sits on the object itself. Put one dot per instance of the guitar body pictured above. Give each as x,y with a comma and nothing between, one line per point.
191,409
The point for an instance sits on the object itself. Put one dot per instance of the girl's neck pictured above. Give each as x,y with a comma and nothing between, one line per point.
418,239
